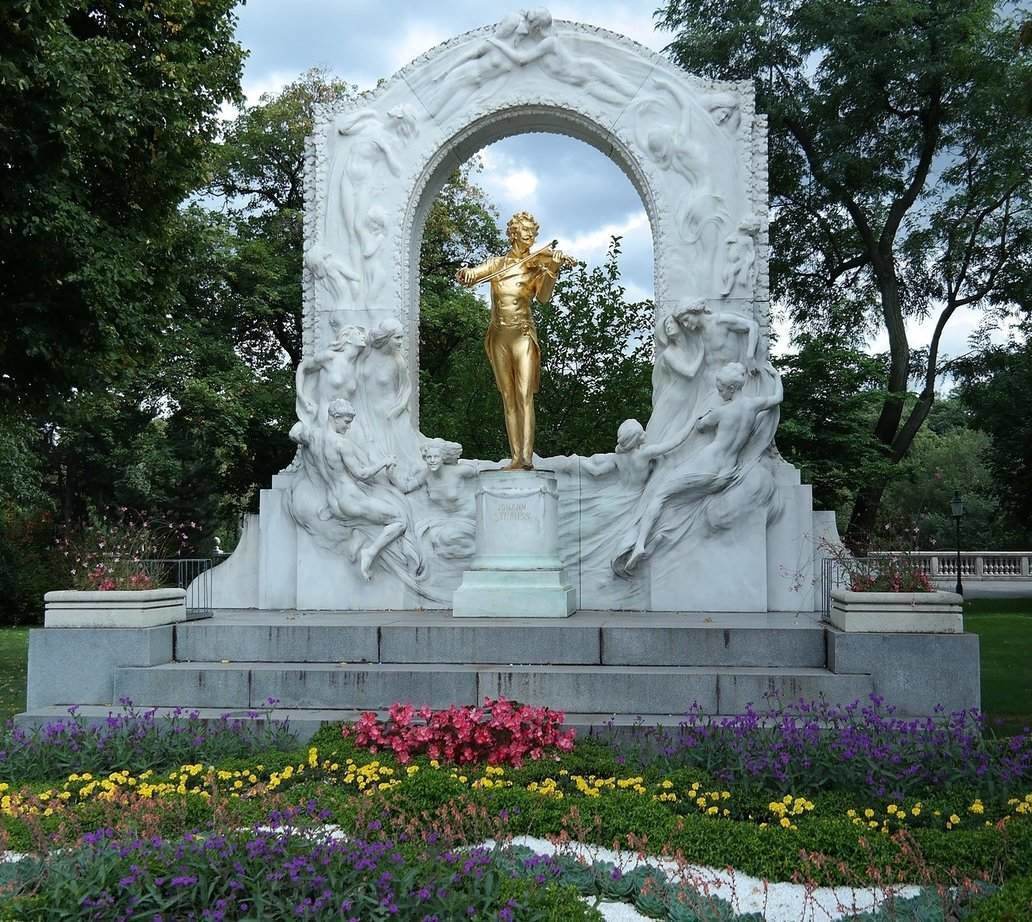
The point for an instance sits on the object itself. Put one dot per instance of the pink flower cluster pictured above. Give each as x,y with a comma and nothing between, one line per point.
502,732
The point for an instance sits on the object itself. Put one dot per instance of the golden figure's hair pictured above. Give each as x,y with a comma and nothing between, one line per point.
521,217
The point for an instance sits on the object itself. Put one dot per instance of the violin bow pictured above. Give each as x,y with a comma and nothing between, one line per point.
504,269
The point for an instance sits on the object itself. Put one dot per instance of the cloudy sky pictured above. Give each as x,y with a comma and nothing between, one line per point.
578,194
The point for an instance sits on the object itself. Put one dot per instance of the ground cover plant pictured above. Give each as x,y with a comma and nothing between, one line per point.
958,831
135,737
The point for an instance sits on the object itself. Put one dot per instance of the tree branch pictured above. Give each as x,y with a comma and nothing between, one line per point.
930,121
806,141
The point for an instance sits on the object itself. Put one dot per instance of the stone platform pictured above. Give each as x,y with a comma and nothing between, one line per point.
599,666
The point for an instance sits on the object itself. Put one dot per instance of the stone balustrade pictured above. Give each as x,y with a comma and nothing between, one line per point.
994,565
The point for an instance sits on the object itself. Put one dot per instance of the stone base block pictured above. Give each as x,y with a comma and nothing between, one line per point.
897,612
77,665
514,594
915,673
125,609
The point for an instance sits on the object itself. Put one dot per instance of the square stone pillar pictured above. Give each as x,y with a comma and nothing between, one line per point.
516,572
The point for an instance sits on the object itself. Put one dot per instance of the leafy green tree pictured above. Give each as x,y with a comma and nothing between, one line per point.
257,179
947,456
107,114
995,388
596,360
832,397
899,169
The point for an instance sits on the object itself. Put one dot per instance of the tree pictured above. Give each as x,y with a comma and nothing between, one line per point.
899,170
831,400
596,360
107,112
948,456
257,179
994,388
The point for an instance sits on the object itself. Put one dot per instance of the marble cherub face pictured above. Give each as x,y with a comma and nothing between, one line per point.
341,423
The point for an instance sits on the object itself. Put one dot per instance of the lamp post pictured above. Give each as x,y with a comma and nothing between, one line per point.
957,511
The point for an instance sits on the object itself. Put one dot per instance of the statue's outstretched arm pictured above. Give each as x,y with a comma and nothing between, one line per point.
740,324
597,465
474,275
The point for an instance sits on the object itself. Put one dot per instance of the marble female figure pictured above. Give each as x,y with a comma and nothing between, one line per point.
728,436
539,43
448,483
694,343
354,497
375,143
481,64
387,389
329,374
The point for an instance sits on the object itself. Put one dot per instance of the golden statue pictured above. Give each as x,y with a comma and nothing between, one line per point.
512,347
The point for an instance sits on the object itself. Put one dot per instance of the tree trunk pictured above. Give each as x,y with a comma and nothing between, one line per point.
868,501
864,518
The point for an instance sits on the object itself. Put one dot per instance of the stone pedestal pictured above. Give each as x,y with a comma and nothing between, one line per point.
897,612
516,572
67,608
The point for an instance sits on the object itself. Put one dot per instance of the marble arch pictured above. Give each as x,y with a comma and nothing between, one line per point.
694,150
374,514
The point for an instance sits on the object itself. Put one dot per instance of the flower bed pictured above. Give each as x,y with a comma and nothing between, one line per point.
712,801
501,732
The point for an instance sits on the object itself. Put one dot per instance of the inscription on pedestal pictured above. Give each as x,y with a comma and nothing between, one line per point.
512,512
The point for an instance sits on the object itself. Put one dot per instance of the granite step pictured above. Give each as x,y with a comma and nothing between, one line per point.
587,638
572,688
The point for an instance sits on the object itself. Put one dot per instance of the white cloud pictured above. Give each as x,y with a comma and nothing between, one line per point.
591,246
270,82
520,185
417,38
631,19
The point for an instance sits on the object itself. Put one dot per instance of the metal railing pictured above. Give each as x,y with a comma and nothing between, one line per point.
939,566
190,573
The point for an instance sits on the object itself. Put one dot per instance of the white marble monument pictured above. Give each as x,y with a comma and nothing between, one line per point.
693,511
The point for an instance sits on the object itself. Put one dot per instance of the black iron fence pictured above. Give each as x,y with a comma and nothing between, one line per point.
190,573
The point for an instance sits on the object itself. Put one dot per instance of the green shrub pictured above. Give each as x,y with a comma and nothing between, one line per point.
1011,903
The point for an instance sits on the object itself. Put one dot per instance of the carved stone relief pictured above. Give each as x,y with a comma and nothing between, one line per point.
398,506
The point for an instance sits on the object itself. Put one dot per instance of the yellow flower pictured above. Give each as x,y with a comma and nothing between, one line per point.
868,813
954,819
891,808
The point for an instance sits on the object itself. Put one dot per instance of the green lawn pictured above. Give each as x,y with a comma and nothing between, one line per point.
14,654
1004,627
